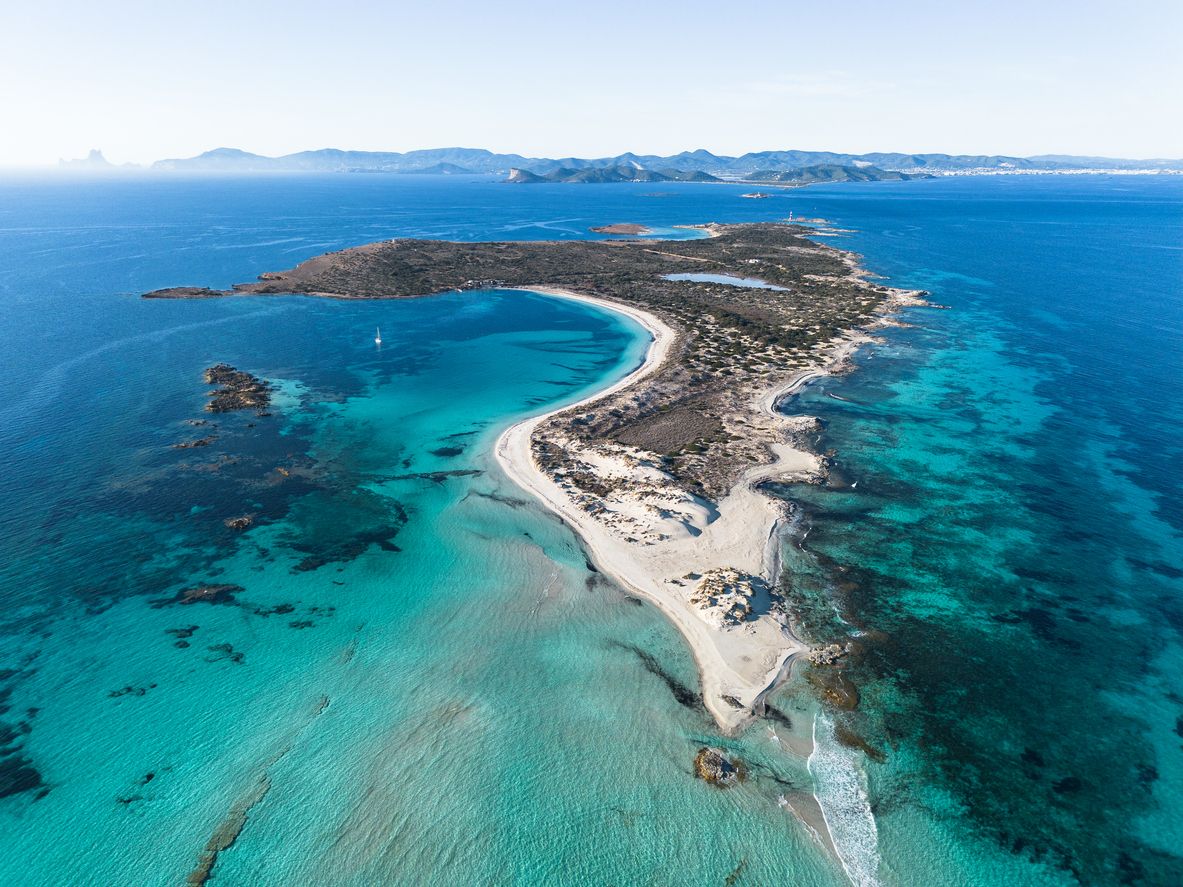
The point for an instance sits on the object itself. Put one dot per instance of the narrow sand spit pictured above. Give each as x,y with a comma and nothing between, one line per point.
738,661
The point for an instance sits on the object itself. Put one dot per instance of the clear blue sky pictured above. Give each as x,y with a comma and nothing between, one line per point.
145,80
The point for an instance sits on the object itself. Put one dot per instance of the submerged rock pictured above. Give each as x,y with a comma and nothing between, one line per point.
239,523
836,689
682,694
193,444
277,610
202,594
851,739
17,775
225,652
130,691
714,766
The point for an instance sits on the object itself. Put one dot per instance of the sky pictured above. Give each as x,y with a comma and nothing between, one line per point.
149,80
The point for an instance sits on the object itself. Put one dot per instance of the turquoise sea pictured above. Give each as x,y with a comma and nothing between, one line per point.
419,680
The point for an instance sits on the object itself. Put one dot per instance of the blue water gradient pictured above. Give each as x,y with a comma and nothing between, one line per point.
420,680
1003,531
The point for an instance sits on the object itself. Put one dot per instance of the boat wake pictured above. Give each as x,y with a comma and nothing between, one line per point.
841,792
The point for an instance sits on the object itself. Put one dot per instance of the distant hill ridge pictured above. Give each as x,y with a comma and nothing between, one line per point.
826,172
609,174
831,172
480,161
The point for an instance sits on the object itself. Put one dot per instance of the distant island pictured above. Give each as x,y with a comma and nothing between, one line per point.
661,474
831,172
699,165
806,175
630,228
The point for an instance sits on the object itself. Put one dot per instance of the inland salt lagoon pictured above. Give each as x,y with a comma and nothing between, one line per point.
411,675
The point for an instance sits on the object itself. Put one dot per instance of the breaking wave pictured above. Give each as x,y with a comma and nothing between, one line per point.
841,792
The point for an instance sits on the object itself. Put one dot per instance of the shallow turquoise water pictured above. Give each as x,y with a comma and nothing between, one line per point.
1012,555
449,704
422,672
419,667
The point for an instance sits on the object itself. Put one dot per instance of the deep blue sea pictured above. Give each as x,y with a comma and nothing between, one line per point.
415,678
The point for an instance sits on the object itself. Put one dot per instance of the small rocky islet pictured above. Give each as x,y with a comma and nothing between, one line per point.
714,766
237,390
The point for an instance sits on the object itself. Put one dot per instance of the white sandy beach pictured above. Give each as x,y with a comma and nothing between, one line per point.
738,662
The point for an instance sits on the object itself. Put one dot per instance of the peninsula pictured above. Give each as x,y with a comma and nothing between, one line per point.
660,474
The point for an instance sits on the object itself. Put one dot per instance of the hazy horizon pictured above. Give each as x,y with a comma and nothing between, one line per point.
272,79
641,153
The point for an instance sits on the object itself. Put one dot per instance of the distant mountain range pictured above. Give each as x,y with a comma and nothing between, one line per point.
704,164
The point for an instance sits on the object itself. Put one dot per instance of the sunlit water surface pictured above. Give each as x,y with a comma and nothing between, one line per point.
420,680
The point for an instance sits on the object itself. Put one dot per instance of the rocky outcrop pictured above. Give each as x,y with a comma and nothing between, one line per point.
830,654
238,390
724,596
714,766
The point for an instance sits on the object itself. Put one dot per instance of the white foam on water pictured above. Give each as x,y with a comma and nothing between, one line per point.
840,787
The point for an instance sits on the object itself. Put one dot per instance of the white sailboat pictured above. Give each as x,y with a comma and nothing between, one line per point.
378,336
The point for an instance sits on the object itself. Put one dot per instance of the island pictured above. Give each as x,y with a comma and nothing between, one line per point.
632,229
782,178
661,474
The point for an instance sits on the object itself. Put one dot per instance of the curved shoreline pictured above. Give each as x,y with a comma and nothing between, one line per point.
658,473
749,535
